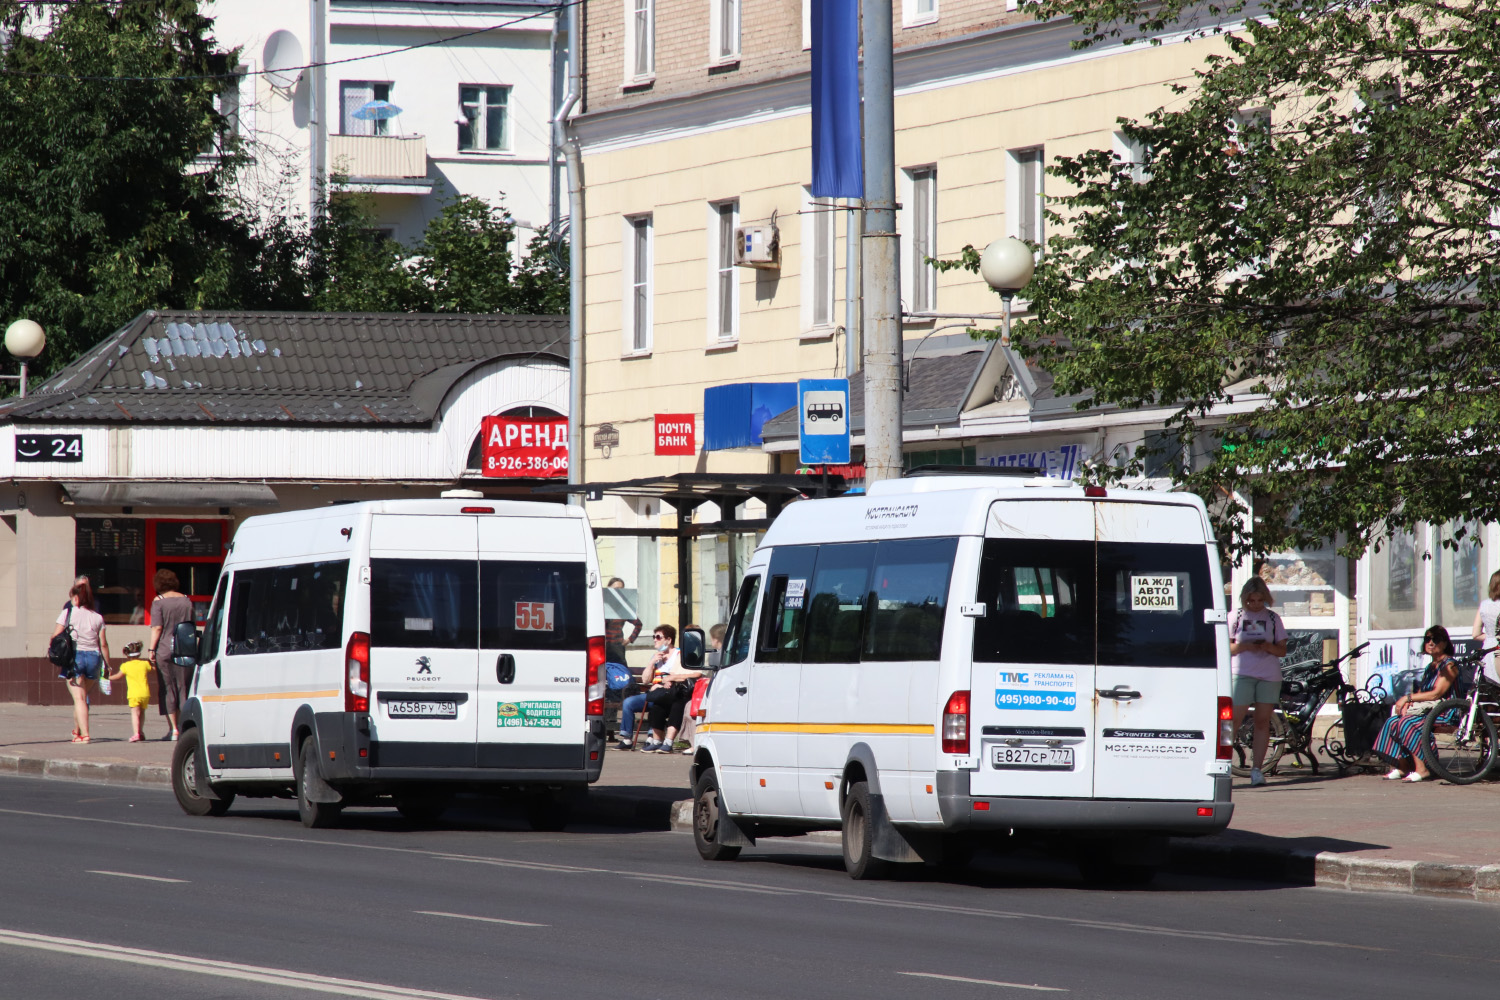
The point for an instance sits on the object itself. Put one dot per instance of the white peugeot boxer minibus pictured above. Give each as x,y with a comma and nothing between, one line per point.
955,661
399,651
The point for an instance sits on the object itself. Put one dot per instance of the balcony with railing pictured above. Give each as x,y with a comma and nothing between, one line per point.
381,164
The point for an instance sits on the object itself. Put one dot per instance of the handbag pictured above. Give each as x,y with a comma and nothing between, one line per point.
63,648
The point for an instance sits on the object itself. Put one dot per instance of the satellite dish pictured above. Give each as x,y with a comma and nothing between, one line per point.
282,59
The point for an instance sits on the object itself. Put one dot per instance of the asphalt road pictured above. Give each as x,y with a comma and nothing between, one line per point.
113,891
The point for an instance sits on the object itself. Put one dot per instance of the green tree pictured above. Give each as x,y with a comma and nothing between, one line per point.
103,114
1333,264
465,263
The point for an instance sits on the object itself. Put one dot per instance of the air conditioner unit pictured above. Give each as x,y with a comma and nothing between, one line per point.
757,246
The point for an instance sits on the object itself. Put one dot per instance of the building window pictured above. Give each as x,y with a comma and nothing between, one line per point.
918,12
1026,195
640,40
818,263
638,284
724,19
120,556
355,94
486,120
1132,153
723,283
922,288
806,24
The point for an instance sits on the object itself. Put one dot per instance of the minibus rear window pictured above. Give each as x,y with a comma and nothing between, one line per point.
532,605
424,603
1039,602
1044,601
1151,602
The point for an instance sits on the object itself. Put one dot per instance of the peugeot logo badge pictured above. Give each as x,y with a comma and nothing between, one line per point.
424,665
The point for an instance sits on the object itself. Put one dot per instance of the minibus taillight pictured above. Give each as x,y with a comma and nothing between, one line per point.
956,723
1226,728
595,693
357,673
1094,491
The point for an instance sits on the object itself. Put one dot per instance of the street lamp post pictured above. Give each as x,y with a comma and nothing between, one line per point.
24,339
1006,266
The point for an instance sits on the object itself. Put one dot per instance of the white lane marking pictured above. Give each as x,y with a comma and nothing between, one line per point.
224,970
822,894
147,878
487,920
985,982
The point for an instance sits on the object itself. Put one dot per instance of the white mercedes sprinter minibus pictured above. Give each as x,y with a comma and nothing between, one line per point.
400,650
954,661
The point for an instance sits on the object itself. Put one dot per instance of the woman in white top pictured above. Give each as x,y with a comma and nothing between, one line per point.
91,652
1484,625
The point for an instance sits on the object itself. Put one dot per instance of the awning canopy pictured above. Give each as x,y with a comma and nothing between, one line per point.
688,490
169,495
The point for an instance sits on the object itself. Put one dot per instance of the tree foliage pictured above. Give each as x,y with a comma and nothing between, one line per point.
108,205
1316,291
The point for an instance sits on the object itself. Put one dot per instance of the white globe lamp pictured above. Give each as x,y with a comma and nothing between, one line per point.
24,339
1006,266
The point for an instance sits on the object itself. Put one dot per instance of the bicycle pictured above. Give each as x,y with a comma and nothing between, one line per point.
1458,737
1305,689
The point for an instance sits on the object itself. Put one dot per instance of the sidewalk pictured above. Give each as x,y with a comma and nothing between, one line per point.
1358,832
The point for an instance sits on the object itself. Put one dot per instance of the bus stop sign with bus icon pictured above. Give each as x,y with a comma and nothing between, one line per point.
823,421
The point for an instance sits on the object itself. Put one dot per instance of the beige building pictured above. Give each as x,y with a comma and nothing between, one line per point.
693,125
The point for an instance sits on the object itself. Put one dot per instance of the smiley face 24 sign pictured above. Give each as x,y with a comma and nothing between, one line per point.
49,447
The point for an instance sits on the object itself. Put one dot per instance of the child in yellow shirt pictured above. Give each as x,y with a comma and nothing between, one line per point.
137,688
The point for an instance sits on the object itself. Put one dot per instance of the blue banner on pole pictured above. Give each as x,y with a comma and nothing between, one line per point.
837,149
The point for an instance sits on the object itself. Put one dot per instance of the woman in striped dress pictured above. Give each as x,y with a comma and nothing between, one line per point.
1400,739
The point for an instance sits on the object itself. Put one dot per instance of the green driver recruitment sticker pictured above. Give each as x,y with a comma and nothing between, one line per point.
530,714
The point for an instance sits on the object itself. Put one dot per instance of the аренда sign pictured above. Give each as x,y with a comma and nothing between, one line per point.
525,447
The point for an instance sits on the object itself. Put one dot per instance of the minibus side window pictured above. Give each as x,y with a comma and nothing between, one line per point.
1151,602
784,610
837,598
532,605
908,599
214,632
737,638
285,609
1039,602
424,603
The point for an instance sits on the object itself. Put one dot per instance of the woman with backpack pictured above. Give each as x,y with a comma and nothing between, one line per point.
90,652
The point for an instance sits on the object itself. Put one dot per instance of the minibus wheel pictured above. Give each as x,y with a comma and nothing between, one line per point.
186,759
314,814
706,806
859,835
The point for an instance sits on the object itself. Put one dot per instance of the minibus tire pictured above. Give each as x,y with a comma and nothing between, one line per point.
186,760
314,815
707,805
859,836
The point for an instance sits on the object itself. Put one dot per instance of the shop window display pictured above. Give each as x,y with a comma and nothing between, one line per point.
1302,582
120,556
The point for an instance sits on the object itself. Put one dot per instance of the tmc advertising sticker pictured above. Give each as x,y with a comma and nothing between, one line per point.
1039,690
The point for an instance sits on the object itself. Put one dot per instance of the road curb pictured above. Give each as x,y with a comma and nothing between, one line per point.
84,770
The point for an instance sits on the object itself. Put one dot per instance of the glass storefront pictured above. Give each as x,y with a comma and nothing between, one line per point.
1398,582
120,556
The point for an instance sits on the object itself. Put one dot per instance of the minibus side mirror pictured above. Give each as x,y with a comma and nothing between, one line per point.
185,645
691,648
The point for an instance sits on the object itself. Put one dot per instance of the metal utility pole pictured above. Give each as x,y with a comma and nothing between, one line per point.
853,342
882,258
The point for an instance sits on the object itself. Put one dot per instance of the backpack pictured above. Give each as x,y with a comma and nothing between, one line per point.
617,676
62,649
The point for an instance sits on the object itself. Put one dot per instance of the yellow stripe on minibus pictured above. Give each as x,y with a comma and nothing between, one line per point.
271,695
819,728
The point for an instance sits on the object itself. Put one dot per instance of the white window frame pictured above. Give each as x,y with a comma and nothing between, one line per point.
914,16
723,276
1018,161
819,216
725,20
806,25
639,62
354,126
637,257
479,124
1133,154
918,280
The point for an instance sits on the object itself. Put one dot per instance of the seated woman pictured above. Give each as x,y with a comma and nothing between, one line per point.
671,690
1400,739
